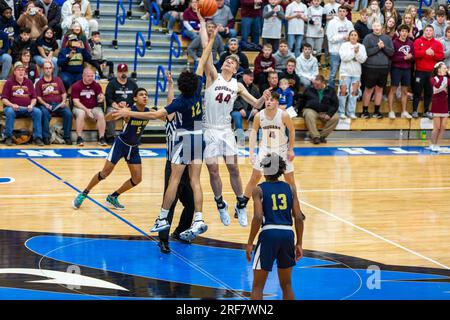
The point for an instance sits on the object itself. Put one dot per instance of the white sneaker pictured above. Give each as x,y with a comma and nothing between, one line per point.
353,116
406,115
160,225
342,116
197,227
391,115
242,216
435,148
224,216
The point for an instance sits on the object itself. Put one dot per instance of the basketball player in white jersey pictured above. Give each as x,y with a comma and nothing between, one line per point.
221,92
273,123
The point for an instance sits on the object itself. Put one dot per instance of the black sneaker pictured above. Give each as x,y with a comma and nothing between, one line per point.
110,140
38,142
316,140
47,141
377,115
80,141
8,142
102,141
176,236
68,141
323,140
365,115
164,247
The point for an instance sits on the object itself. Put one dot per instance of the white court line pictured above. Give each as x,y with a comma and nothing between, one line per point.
227,193
374,234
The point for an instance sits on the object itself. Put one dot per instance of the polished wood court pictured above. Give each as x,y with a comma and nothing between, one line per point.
390,209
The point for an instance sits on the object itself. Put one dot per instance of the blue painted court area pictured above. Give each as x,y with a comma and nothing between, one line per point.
161,153
225,268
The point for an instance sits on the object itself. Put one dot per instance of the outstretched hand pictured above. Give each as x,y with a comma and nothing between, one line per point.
120,113
169,77
267,94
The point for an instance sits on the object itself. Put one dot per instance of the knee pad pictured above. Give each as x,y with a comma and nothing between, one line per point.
99,177
132,182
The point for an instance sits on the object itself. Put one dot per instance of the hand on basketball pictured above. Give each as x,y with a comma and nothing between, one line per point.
248,251
298,252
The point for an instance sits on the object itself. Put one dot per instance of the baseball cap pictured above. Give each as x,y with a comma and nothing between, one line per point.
122,67
233,40
18,64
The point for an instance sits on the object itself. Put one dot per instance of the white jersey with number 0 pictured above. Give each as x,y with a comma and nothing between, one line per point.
219,101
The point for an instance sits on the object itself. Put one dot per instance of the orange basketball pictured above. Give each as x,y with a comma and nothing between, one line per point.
207,7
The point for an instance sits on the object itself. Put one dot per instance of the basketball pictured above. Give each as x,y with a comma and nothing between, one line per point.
207,7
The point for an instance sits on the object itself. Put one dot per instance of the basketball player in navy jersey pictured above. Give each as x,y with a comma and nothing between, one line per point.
125,146
189,145
275,203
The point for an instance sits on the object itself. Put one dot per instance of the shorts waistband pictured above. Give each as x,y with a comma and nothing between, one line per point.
276,227
129,145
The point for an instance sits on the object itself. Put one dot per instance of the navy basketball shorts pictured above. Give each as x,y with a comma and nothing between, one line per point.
274,245
121,150
189,146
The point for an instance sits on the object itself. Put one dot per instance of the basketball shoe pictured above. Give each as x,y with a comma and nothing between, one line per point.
223,211
197,227
160,225
78,200
113,202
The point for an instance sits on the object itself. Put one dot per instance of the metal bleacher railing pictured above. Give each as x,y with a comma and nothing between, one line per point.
138,50
427,3
154,21
120,18
161,84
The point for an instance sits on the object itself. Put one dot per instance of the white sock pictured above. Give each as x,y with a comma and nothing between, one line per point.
198,216
163,214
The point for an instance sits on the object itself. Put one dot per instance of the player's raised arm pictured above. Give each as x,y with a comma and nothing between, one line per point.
170,93
206,63
256,103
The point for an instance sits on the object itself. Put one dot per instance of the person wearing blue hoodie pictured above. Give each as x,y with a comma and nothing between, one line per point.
5,58
8,24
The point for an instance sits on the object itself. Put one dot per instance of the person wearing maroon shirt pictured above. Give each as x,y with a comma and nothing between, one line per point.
52,96
191,23
251,22
19,99
264,63
350,5
428,51
87,95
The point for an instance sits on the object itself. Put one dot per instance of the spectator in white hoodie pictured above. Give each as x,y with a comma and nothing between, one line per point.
86,10
337,33
307,67
352,54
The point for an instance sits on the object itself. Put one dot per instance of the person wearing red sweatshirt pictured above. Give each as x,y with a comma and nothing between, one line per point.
264,63
428,51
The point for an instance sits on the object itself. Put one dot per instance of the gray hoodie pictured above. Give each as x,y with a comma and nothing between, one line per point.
307,68
281,61
446,44
376,57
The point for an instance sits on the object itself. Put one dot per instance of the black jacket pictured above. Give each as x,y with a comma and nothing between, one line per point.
54,14
241,104
18,8
362,30
116,92
242,58
18,45
166,7
294,80
329,103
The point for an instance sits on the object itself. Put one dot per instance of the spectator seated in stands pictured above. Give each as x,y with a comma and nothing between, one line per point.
51,96
76,16
320,102
97,59
119,94
71,61
195,48
8,24
241,108
272,82
47,49
307,66
52,12
88,101
286,94
191,23
5,58
282,56
224,20
19,100
86,12
264,63
233,48
34,19
77,30
31,70
23,42
292,77
172,11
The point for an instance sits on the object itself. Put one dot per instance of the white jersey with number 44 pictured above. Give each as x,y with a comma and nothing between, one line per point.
219,101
